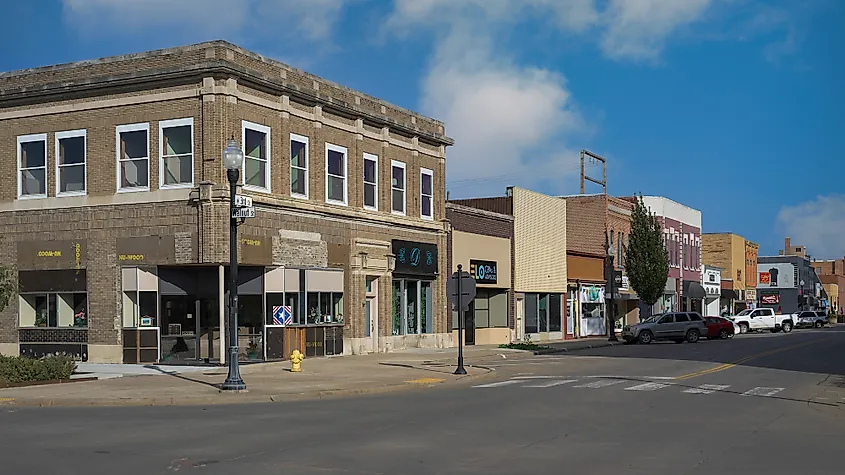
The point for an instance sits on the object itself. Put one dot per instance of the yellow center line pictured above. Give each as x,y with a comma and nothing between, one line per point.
743,360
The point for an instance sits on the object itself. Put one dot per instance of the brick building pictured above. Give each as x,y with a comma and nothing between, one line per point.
539,256
118,222
595,223
482,242
831,272
737,257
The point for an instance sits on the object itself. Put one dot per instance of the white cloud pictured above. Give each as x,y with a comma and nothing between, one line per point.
818,224
204,19
638,29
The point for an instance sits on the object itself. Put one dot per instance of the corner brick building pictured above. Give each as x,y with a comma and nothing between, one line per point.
117,221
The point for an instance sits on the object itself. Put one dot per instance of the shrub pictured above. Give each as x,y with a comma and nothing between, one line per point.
20,369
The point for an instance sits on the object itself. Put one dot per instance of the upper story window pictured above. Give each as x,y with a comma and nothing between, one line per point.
426,194
397,187
298,166
70,163
177,153
371,181
133,157
336,183
256,140
32,166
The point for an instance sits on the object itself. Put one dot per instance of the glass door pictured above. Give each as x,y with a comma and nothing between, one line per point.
178,329
208,333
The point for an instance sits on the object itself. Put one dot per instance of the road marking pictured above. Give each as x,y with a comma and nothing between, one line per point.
425,381
535,377
707,388
598,384
656,378
647,387
498,384
763,392
744,360
550,384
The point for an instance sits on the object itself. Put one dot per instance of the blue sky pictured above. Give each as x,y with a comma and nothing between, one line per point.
733,107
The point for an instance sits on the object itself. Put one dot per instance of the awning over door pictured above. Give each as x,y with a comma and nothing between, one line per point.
729,294
694,290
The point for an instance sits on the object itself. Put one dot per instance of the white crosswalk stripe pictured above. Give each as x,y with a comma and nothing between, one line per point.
707,388
763,392
498,384
549,384
599,384
647,387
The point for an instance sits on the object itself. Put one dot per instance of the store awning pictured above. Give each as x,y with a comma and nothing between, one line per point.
694,290
729,294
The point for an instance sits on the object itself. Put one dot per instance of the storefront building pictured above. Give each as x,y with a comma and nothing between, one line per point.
788,284
737,257
539,253
596,223
482,241
728,297
713,290
118,225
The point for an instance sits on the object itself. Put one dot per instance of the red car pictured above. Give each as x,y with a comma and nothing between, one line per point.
718,327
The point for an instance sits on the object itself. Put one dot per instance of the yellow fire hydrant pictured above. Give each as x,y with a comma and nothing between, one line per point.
296,361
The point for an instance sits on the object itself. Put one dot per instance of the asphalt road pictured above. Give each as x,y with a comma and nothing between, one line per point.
757,404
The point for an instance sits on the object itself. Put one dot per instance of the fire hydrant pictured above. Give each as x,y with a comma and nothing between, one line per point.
296,361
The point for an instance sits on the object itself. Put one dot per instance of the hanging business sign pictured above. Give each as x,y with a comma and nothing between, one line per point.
415,258
770,299
484,272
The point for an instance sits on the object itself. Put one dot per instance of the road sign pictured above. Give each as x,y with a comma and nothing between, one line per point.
244,212
467,290
243,201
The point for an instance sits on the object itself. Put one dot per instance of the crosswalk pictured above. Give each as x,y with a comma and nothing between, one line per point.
546,382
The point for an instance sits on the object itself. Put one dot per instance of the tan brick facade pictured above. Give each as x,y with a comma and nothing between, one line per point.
219,86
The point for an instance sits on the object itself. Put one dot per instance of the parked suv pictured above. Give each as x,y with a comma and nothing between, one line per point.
673,326
810,319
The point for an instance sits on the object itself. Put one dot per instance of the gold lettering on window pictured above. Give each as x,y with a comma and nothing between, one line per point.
250,242
49,253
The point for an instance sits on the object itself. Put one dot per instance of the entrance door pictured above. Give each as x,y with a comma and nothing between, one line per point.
208,328
469,326
371,329
178,329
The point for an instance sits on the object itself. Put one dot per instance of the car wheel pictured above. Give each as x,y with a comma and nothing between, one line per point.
786,327
723,334
646,337
743,328
693,336
819,324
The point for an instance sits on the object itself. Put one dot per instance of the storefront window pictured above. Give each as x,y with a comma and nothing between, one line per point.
555,312
54,310
543,313
323,307
412,307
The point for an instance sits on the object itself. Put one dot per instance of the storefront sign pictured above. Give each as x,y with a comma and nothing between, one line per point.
765,277
751,294
484,272
415,258
625,283
770,299
146,250
592,294
52,254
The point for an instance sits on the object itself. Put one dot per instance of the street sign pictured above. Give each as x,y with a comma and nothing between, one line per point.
467,294
244,212
243,201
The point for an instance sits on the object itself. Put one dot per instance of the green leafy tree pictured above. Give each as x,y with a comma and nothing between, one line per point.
8,286
646,259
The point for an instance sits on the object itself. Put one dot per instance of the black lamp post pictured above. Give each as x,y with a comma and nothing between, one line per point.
611,278
233,158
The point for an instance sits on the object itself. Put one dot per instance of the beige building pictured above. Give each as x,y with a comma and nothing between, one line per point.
118,222
737,257
539,253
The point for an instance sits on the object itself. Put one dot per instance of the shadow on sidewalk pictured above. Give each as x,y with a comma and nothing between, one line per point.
185,378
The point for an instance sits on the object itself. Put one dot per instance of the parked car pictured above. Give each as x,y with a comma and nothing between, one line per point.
674,326
762,319
809,319
718,327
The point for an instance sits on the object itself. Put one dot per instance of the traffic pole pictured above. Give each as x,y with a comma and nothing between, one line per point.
460,369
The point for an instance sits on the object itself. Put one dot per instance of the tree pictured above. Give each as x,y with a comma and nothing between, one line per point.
8,286
646,259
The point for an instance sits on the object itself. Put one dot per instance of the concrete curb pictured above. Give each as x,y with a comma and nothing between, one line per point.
554,351
232,399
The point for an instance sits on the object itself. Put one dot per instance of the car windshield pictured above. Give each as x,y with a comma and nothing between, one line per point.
744,312
653,318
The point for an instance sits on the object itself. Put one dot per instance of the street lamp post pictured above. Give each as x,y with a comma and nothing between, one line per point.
611,277
233,158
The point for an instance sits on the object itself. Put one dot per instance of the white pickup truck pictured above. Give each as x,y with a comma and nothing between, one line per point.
762,319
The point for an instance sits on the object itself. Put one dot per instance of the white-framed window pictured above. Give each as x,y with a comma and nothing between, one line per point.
299,166
371,181
397,187
176,168
133,157
336,183
71,154
256,171
32,166
426,193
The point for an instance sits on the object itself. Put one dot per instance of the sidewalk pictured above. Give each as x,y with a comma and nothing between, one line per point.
152,385
576,345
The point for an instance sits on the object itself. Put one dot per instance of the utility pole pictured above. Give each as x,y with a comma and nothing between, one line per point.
584,177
